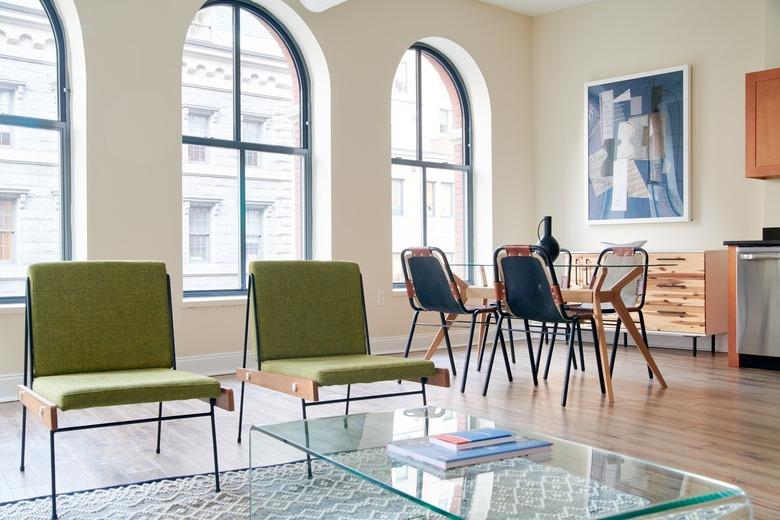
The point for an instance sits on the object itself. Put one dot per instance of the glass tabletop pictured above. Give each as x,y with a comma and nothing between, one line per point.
576,481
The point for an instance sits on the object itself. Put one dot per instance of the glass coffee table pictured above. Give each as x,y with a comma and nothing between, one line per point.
576,481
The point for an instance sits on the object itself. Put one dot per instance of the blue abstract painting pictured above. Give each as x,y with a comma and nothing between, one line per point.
637,148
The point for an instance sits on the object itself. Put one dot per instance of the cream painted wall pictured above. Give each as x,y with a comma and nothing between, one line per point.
132,165
612,38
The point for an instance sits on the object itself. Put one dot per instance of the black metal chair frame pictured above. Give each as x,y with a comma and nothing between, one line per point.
506,312
28,375
459,307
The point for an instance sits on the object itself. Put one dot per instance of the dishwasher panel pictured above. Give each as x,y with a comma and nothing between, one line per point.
758,301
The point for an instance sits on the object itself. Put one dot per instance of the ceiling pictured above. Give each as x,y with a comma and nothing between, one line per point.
529,7
536,7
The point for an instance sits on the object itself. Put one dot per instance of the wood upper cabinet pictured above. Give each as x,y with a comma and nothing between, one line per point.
762,124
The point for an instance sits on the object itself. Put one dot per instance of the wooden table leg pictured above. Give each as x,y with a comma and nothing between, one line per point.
438,339
603,349
630,326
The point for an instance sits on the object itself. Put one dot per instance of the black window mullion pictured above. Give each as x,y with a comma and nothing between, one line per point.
241,151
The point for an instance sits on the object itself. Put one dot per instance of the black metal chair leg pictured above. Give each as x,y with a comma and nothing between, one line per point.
306,433
568,371
549,360
511,339
484,342
625,340
644,338
555,335
424,396
614,346
53,477
346,408
241,411
411,335
212,402
159,426
506,357
596,347
534,364
582,352
469,345
444,327
492,356
24,435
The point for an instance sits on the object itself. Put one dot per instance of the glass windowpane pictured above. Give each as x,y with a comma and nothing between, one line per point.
403,108
407,226
442,117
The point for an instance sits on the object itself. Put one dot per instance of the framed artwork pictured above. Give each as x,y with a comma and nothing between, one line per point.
637,148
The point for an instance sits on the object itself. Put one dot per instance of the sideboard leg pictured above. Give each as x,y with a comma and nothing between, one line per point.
694,345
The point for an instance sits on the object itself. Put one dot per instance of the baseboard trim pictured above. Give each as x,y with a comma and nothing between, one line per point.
223,363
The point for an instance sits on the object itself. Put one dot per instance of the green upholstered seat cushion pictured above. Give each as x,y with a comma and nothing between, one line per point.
78,391
308,309
99,316
350,369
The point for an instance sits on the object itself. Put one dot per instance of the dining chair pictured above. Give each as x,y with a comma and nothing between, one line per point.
431,287
619,261
527,289
562,266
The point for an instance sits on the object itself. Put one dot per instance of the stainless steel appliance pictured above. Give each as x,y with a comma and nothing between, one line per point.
758,306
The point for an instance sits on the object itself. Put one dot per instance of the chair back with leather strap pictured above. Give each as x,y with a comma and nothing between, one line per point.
563,268
619,261
526,284
430,284
308,309
99,317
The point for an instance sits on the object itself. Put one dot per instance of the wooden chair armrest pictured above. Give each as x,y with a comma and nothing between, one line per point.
294,386
40,408
440,378
225,400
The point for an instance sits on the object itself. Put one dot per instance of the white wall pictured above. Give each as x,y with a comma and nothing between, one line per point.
130,172
720,40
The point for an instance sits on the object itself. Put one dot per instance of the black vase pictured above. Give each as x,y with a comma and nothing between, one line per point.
546,240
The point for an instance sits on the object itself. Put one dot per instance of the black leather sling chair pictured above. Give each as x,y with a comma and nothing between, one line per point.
527,289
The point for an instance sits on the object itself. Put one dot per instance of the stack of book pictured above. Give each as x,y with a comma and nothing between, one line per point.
455,450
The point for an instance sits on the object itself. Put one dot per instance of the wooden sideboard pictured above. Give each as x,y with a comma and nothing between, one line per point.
687,293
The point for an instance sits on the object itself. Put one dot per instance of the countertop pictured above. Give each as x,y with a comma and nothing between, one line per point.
752,243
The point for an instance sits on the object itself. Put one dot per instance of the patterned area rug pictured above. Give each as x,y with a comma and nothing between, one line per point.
283,492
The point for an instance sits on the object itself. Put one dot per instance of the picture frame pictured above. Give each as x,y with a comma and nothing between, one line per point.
637,148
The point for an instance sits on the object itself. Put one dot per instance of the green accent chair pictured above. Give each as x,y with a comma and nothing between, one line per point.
311,331
101,334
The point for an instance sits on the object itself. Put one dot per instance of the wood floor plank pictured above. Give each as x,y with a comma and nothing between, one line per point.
713,420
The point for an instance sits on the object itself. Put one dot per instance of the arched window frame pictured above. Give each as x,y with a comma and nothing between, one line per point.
466,167
304,150
61,125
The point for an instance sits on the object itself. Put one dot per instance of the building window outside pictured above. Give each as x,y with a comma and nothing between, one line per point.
245,99
200,226
430,199
431,154
444,121
7,229
254,233
444,202
34,127
398,197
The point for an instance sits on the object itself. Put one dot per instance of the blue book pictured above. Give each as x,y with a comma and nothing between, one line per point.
420,450
469,439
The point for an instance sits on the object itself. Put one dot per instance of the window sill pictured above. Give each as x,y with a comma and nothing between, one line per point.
11,308
214,301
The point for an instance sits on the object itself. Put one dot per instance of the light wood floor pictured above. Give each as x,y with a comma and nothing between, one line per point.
720,422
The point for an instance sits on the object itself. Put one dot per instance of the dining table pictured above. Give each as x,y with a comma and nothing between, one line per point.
596,294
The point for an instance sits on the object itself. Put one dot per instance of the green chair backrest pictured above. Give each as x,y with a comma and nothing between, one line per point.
99,316
308,309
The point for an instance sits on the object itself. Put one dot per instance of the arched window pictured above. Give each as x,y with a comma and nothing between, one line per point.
431,158
34,142
246,166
